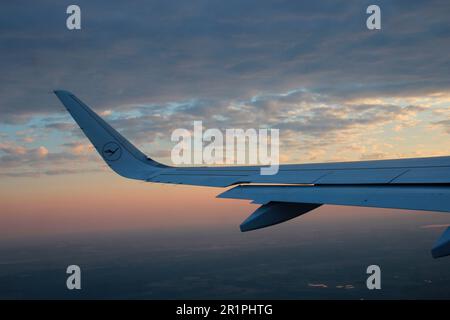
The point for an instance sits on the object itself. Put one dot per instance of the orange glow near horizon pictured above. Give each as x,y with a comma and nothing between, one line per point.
103,202
96,202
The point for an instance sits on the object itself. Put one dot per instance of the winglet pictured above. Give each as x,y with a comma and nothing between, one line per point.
123,157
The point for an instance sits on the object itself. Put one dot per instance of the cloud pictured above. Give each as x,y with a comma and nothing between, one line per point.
445,124
79,147
35,174
42,151
211,50
334,89
28,139
61,126
11,149
105,113
22,161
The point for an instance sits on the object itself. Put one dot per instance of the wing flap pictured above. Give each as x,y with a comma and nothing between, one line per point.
360,176
207,180
425,175
431,198
290,177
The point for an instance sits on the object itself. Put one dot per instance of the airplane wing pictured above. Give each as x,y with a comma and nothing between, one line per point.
416,184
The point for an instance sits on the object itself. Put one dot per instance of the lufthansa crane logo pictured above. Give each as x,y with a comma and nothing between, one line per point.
111,151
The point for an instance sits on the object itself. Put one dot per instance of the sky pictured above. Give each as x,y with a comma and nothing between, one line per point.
335,90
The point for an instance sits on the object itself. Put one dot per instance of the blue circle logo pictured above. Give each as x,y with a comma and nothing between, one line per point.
111,151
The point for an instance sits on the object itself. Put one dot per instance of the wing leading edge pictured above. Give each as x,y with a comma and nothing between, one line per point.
416,184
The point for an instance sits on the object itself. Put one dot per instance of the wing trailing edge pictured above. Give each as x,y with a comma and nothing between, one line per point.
426,198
